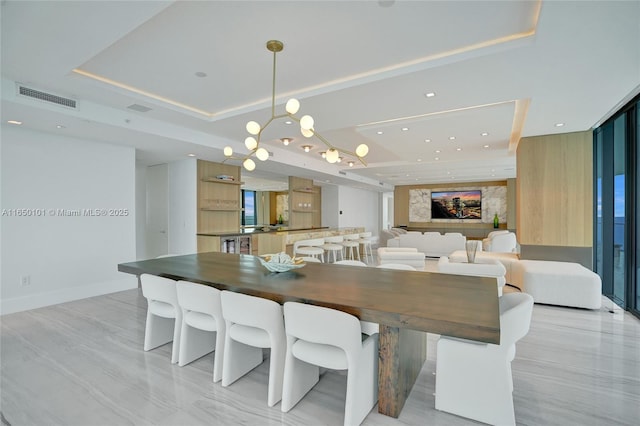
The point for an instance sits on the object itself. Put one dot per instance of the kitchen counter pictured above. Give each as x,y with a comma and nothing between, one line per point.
259,230
270,240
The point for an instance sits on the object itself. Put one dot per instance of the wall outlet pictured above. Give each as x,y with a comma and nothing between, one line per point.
25,280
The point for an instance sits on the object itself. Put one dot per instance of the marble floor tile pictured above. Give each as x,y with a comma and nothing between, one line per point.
81,363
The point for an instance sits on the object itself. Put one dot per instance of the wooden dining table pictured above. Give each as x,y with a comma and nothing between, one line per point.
406,304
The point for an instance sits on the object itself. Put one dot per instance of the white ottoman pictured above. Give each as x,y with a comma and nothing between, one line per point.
558,283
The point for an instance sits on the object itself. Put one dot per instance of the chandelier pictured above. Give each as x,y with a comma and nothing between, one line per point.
252,142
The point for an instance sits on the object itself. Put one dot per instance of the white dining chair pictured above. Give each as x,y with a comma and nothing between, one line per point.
203,328
491,268
474,380
350,263
328,338
164,316
398,266
368,328
253,323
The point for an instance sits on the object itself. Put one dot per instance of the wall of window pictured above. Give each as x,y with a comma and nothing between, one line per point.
617,206
249,216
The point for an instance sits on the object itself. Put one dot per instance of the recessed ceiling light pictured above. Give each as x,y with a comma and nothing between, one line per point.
559,124
191,155
485,146
379,132
429,94
407,174
350,163
404,129
452,138
16,122
306,148
200,74
448,173
484,134
437,151
60,126
436,158
458,149
427,140
286,141
288,122
493,174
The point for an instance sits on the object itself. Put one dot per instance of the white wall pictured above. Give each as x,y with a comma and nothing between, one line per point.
360,208
182,206
65,257
387,210
141,212
330,206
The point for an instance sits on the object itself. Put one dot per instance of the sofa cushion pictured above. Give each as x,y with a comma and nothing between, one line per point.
432,244
405,255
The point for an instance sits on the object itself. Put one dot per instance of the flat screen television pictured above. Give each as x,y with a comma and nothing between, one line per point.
456,205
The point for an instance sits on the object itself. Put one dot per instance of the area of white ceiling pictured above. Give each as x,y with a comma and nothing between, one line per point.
361,69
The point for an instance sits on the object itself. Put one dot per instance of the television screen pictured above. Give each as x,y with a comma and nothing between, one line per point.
456,205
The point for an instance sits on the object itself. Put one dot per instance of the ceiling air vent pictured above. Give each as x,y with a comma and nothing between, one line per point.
47,97
139,108
342,173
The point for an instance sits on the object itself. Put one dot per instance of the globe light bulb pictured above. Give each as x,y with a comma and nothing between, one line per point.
253,128
262,154
251,143
332,155
228,151
292,106
306,122
249,164
306,133
350,163
362,150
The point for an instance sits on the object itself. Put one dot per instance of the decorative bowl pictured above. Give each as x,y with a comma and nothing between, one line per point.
280,262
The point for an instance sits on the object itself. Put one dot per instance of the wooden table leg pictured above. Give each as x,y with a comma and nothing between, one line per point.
401,357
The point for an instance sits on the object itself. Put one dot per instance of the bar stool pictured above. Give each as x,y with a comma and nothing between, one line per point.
367,250
351,242
309,248
334,245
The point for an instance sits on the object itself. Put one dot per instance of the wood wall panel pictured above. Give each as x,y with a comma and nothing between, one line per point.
304,203
554,190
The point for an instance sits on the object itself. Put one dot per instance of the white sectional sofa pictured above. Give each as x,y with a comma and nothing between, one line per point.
432,244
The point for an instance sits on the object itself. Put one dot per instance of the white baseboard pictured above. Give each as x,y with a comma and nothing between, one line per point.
34,301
